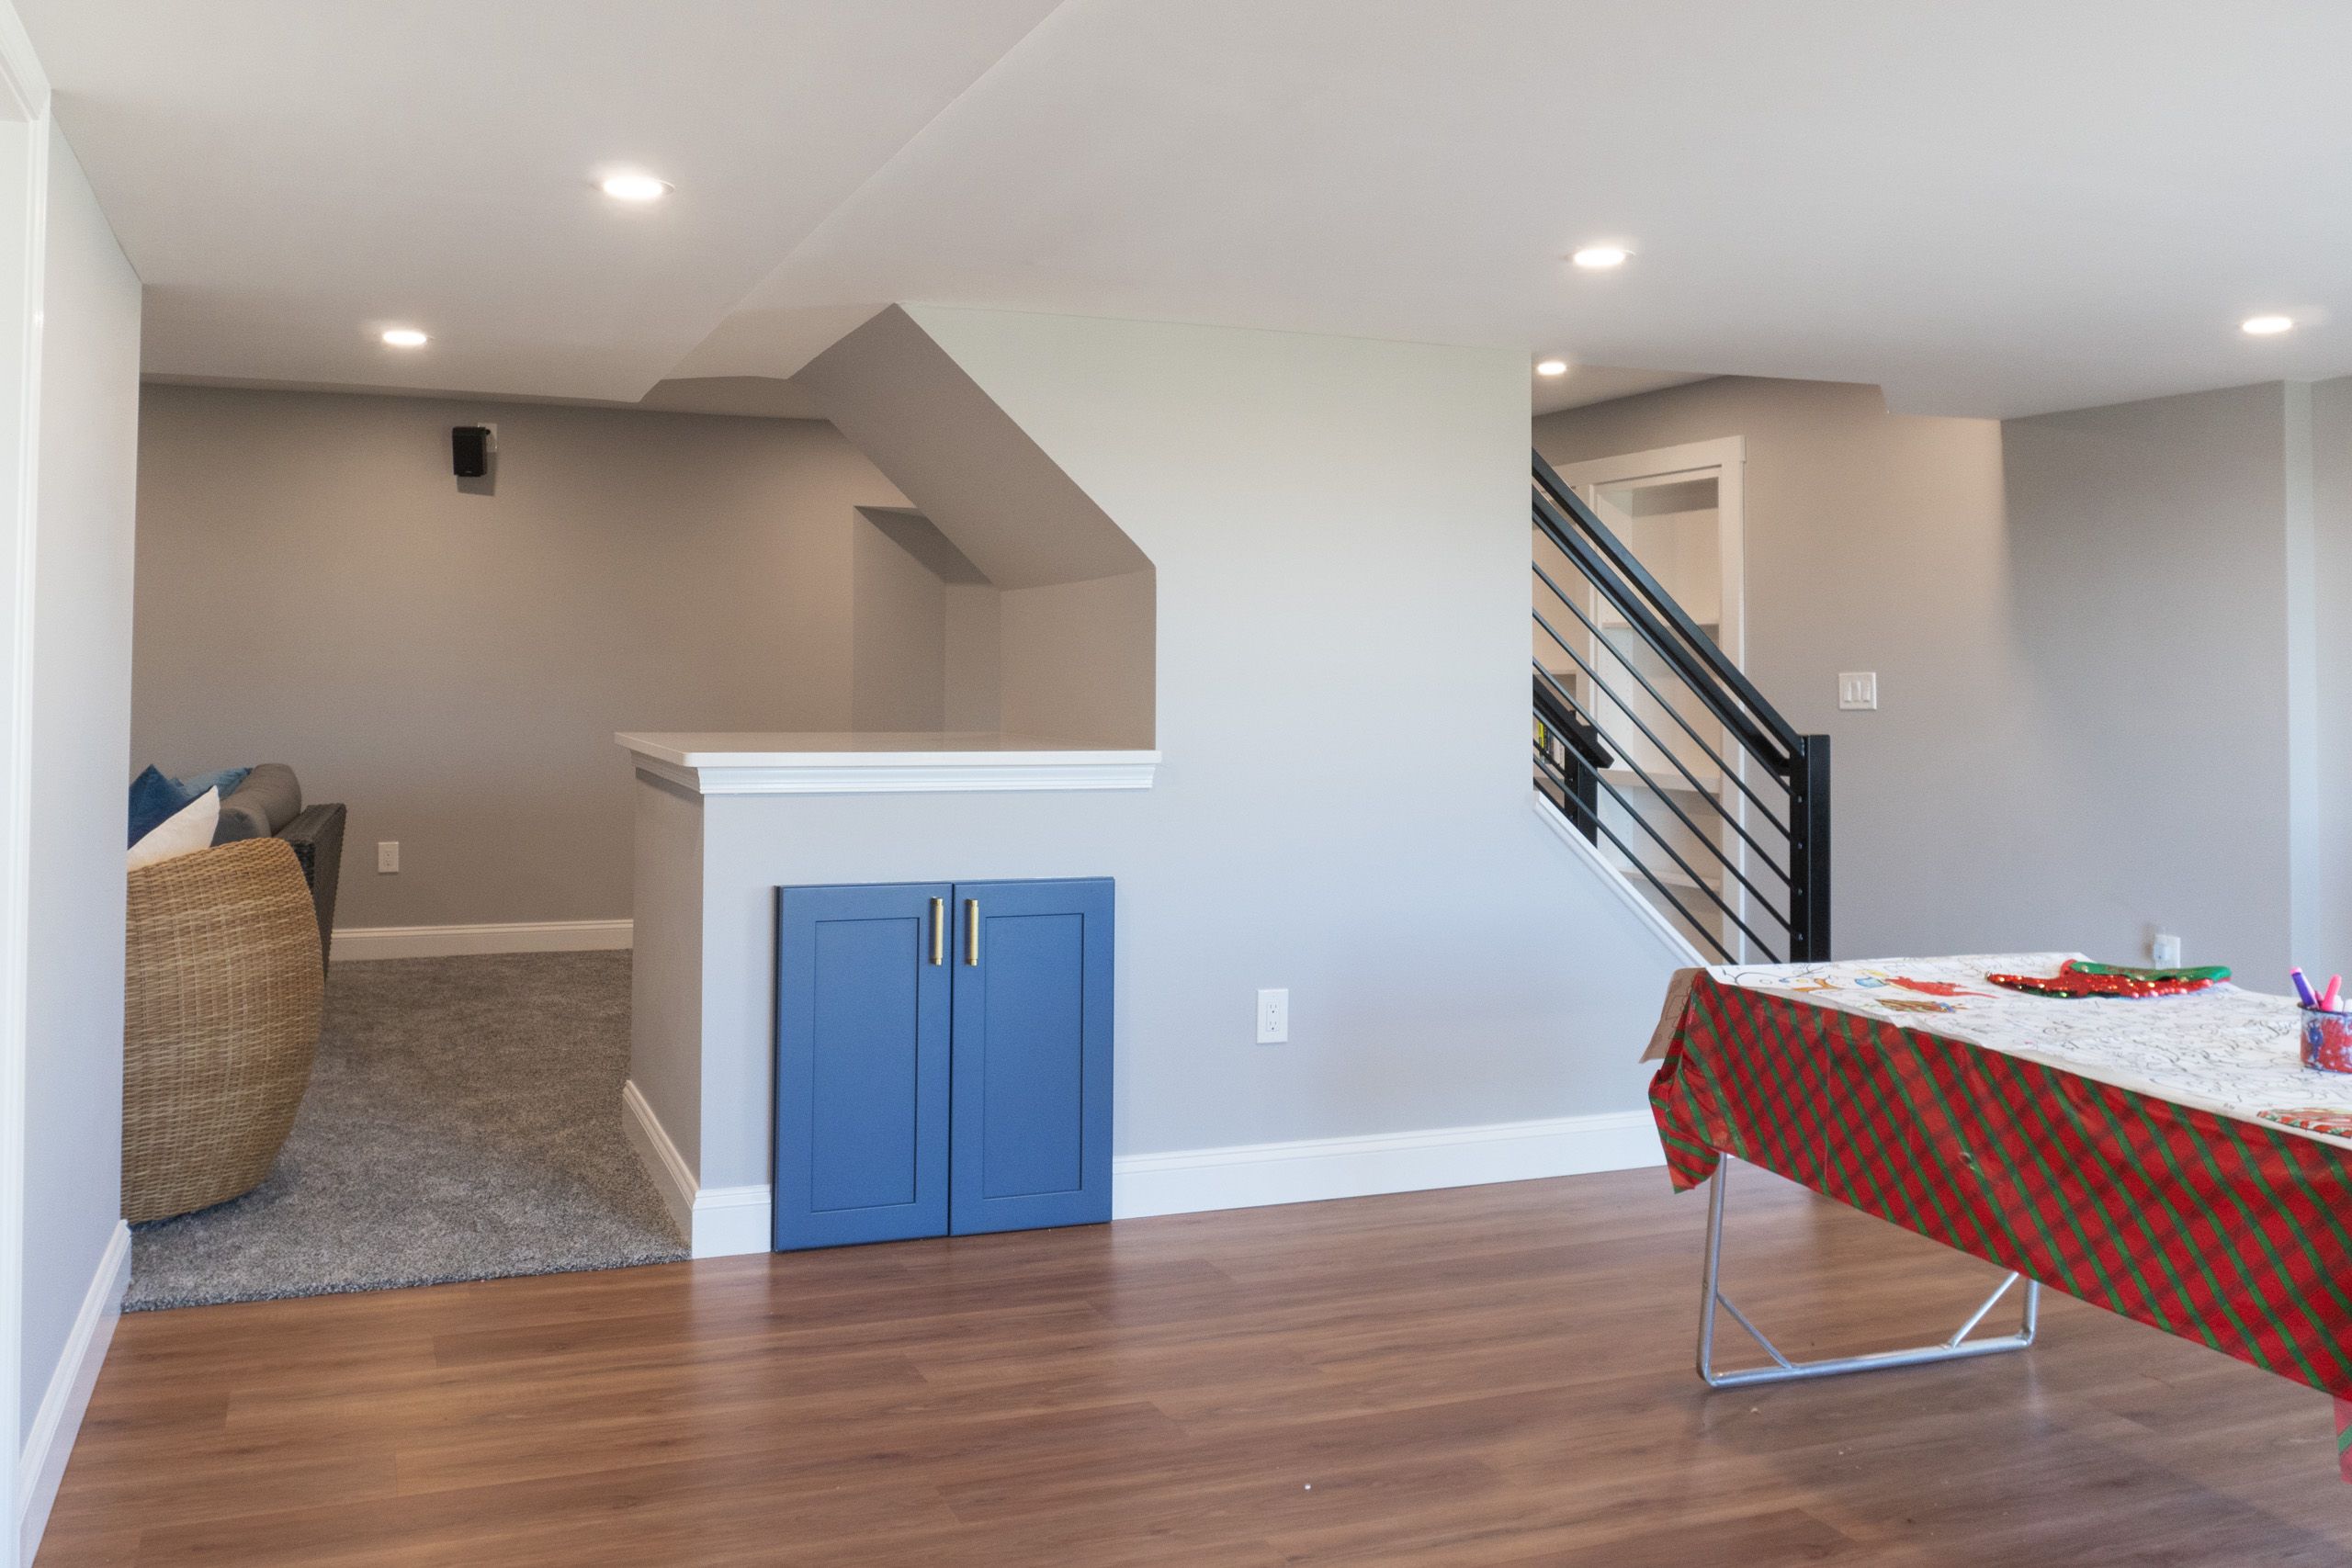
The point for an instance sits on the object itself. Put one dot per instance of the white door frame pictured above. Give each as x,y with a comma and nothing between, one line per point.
24,142
1726,458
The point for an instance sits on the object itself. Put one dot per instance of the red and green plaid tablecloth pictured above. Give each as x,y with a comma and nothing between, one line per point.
2228,1230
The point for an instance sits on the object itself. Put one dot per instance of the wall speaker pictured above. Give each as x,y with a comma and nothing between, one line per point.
470,449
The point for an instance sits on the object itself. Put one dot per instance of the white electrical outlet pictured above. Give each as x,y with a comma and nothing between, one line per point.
1273,1016
388,855
2163,948
1858,689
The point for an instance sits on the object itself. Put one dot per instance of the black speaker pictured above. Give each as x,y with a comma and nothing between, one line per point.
469,451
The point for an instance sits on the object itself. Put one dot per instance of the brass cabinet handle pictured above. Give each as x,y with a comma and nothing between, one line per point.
971,932
939,931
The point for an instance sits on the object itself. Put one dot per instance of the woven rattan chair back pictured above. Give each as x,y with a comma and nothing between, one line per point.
222,992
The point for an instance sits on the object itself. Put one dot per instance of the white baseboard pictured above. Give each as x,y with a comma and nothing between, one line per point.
716,1222
1248,1176
730,1221
50,1442
358,943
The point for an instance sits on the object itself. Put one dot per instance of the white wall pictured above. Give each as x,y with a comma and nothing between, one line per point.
80,763
1343,806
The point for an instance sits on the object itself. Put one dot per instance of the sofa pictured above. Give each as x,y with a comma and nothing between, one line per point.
269,804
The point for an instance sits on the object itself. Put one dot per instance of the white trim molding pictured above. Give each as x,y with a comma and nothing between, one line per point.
24,250
50,1442
716,1222
882,763
360,943
728,1221
1248,1175
24,85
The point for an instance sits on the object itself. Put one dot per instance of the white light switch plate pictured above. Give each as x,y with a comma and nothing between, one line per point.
2164,950
1858,689
1273,1016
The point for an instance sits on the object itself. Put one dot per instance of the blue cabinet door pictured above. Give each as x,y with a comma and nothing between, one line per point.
1032,1145
861,1078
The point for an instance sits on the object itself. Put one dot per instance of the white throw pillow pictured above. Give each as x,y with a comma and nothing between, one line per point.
183,833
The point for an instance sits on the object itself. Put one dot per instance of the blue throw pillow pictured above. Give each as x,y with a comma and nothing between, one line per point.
155,798
225,780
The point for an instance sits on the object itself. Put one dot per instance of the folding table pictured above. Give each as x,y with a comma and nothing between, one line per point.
2168,1158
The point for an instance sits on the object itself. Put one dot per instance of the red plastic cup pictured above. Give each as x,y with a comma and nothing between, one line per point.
2327,1039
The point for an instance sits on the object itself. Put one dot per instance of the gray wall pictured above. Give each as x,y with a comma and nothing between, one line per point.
315,588
973,645
898,661
2080,623
2330,942
2151,578
1068,590
1343,808
1077,660
665,997
80,756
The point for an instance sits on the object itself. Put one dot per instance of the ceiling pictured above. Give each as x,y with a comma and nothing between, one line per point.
1585,384
1996,209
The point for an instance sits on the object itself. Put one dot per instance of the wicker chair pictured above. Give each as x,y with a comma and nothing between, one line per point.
223,991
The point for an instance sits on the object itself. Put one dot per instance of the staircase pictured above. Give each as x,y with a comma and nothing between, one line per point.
1659,754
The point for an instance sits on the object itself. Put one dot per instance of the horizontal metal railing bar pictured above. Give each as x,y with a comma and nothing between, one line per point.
1656,695
1689,916
1724,669
1602,638
1665,750
1678,655
1661,790
1783,921
1578,815
1585,740
1572,809
1665,797
1686,658
1688,869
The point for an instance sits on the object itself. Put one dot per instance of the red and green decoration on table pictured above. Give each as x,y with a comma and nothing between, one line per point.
2078,978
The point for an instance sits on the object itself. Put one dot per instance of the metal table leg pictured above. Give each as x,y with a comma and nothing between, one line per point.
1959,1347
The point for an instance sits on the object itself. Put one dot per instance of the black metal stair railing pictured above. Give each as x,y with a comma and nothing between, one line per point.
1656,749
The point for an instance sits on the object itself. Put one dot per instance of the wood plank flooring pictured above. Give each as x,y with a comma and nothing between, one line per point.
1486,1376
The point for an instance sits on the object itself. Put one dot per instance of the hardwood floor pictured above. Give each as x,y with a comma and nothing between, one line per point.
1496,1375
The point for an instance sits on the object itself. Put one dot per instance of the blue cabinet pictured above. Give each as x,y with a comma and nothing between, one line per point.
1031,1142
861,1072
943,1059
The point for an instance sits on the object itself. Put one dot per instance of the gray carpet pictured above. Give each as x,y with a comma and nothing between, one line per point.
463,1122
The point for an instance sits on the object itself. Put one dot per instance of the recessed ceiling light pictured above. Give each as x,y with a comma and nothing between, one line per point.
1600,257
405,337
634,187
1550,367
2266,326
